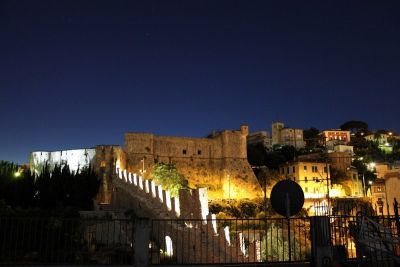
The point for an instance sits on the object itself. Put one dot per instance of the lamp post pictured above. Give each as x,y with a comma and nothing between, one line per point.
363,178
142,171
229,187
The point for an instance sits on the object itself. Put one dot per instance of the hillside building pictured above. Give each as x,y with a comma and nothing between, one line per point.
260,137
332,138
284,136
313,177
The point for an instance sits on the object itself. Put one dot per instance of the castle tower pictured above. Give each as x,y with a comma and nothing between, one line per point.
244,129
276,132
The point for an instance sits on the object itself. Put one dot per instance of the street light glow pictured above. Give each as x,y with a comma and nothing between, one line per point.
373,164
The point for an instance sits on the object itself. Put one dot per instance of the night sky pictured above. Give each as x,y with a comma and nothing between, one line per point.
76,74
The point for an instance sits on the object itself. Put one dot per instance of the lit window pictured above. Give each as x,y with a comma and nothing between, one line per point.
314,169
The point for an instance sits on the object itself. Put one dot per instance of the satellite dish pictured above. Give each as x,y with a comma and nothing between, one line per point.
287,198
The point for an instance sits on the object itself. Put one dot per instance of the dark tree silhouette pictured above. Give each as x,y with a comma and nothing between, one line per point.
355,126
311,137
58,188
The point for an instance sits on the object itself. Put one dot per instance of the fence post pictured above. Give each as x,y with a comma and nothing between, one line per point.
141,244
321,249
396,216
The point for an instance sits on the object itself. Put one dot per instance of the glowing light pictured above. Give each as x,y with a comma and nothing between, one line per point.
372,165
334,192
17,174
229,190
168,246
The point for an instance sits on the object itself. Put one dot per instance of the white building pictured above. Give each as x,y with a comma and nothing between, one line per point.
76,159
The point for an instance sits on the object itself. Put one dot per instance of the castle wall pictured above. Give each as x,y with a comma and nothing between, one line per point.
107,159
218,163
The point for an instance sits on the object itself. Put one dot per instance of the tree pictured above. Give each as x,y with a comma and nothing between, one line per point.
256,154
274,159
363,169
354,126
169,177
289,152
51,190
337,176
311,136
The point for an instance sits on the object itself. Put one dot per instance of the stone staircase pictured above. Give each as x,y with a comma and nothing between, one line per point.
185,220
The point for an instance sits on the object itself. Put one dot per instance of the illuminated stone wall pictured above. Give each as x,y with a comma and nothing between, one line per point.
108,158
218,163
76,158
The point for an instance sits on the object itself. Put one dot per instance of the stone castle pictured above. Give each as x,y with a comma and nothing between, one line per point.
218,163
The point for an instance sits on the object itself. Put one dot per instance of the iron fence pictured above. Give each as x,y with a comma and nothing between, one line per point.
214,241
25,240
369,240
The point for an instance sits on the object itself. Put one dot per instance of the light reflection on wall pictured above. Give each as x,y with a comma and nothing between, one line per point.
76,159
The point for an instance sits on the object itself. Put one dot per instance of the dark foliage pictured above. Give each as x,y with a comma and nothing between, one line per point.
256,154
274,159
355,126
311,136
51,190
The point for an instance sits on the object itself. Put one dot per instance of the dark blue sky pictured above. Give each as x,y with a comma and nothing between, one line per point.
80,73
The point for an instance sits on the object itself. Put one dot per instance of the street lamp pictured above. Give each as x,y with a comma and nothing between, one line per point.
229,186
142,171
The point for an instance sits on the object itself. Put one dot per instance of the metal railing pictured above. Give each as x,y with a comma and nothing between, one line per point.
25,240
230,241
367,239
